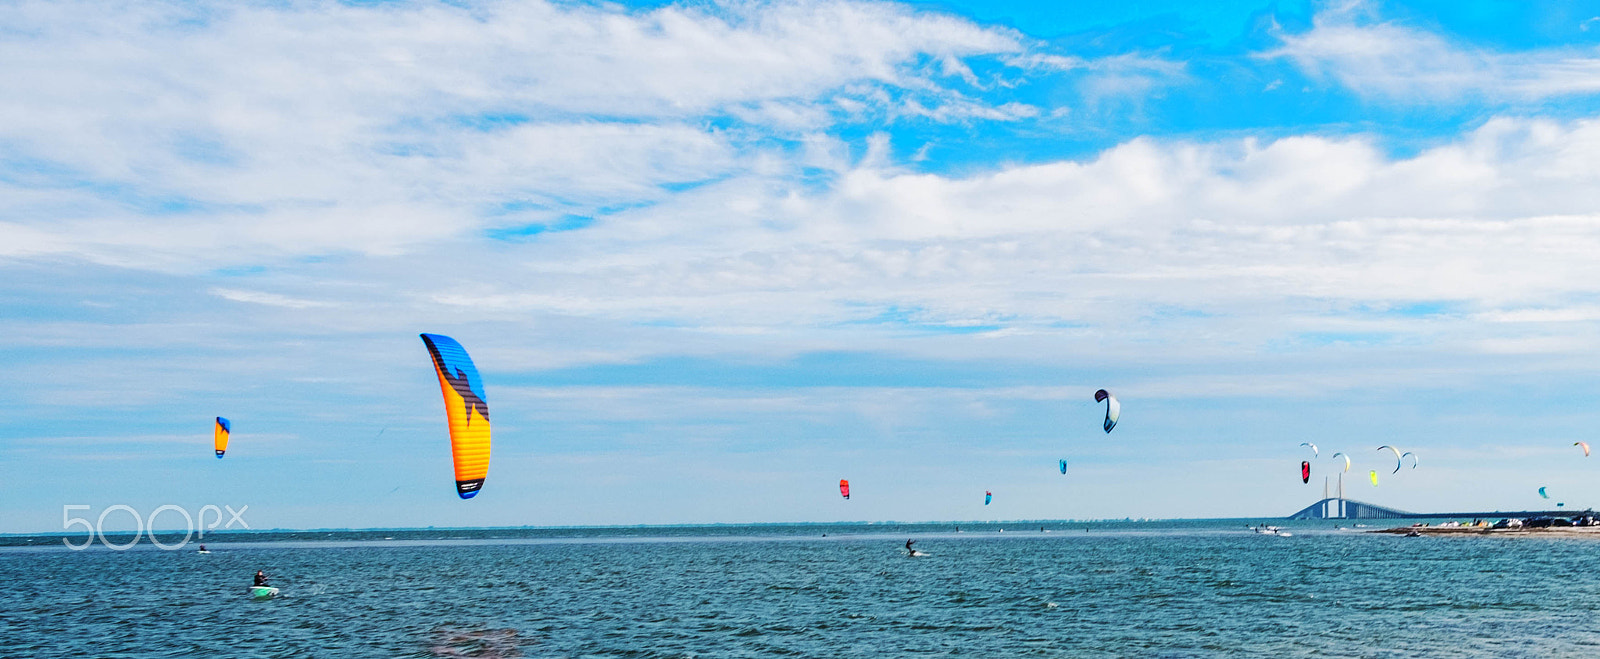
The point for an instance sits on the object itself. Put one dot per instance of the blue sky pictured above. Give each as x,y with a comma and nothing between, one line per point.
711,258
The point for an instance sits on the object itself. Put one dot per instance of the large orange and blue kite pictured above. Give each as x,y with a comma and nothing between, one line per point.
467,410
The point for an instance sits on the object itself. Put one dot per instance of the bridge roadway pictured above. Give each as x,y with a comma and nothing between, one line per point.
1334,508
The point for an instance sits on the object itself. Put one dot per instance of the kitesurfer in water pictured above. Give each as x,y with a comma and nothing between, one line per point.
261,578
909,550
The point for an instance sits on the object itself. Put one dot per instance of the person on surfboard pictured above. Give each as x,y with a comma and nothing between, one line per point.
261,578
909,550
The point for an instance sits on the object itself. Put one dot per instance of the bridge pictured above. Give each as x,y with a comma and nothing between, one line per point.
1334,508
1337,508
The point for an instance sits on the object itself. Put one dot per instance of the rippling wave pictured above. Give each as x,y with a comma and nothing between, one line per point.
1194,591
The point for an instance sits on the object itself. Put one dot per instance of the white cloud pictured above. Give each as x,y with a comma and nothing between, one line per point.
271,130
257,62
1235,230
1584,313
18,240
268,299
1108,81
717,241
1528,345
1151,250
1410,65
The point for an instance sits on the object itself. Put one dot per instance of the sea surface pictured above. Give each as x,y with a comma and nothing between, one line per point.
1186,589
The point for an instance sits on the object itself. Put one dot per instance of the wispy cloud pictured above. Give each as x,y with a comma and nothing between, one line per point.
246,133
1349,44
1125,77
269,299
1574,314
270,130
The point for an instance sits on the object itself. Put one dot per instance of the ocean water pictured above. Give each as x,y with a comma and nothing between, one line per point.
1115,590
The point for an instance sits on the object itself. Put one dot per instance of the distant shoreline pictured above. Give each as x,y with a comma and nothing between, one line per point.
1020,523
1548,531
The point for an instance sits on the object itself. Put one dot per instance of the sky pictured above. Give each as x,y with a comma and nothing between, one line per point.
712,257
